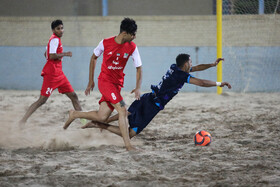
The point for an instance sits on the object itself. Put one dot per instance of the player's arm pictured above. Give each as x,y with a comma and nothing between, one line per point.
96,53
55,56
91,83
52,50
138,64
202,67
138,83
207,83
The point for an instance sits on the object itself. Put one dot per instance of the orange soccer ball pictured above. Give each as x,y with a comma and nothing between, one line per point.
202,138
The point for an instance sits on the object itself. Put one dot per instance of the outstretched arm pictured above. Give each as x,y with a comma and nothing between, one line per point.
208,83
202,67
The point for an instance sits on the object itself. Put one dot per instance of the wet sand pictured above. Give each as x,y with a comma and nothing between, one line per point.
245,151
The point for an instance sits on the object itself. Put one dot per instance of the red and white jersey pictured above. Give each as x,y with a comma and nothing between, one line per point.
53,67
115,57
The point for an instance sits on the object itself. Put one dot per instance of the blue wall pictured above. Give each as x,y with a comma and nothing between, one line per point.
249,69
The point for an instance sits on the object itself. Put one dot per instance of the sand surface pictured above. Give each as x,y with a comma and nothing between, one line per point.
245,150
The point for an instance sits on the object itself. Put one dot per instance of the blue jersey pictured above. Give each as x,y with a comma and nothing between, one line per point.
171,83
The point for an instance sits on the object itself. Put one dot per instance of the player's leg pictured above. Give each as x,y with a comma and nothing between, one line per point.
114,129
101,115
75,101
76,104
42,100
46,91
66,88
123,124
111,93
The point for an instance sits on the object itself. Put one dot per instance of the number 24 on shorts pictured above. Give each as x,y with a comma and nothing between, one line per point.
49,91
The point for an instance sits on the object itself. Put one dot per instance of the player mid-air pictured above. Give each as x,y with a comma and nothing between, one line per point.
141,112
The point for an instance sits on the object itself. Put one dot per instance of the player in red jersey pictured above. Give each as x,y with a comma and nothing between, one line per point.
52,72
116,52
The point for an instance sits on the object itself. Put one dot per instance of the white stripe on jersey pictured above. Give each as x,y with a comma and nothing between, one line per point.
53,45
136,58
99,49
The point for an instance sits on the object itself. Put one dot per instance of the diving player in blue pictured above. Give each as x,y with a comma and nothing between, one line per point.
141,112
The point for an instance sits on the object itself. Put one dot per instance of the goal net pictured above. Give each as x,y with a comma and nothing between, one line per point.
251,44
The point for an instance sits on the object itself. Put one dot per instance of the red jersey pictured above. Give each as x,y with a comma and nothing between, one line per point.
53,67
115,57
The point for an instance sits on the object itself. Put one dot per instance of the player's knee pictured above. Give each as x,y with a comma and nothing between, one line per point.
123,111
73,96
40,102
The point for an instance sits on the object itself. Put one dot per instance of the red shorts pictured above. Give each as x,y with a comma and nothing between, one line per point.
50,83
111,93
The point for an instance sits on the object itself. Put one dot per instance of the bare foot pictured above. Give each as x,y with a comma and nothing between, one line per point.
21,122
90,125
131,148
71,118
21,125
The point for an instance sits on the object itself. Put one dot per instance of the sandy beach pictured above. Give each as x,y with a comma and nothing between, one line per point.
245,151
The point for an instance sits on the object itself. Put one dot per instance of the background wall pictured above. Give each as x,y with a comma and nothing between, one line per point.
238,30
115,7
251,49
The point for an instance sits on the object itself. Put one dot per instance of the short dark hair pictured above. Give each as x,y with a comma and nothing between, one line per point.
128,25
55,23
181,59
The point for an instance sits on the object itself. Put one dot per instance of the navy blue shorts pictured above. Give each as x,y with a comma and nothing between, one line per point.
142,112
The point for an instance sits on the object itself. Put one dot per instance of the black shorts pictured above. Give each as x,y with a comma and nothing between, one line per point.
142,112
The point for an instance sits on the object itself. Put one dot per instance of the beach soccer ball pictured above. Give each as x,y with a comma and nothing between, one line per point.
202,138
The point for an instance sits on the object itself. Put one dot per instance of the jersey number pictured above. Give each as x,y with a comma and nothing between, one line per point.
49,90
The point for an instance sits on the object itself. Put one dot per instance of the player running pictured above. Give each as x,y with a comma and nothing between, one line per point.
116,52
141,112
52,72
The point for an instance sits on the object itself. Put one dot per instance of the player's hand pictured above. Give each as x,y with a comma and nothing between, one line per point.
89,88
137,93
69,53
217,61
225,84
